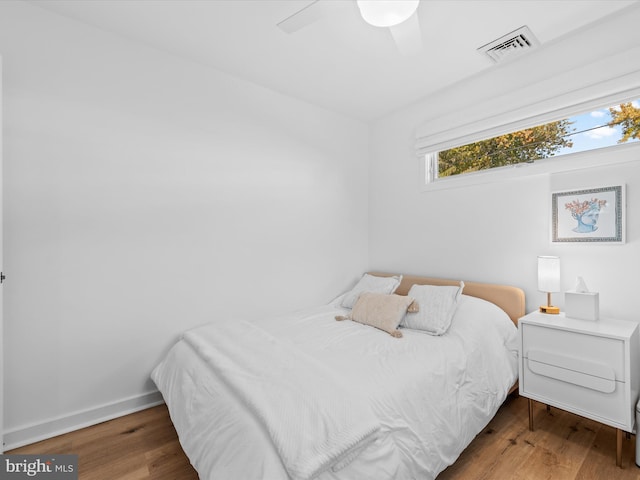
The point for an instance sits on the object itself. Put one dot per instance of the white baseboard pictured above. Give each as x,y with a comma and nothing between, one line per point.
36,432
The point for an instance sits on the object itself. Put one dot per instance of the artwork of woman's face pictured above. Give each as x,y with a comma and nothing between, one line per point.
591,217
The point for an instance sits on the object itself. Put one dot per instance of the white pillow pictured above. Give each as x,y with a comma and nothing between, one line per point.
437,306
370,283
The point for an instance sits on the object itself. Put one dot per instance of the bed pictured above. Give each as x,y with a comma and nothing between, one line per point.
303,396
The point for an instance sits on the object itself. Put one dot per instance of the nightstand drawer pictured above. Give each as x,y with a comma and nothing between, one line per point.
589,396
586,350
587,374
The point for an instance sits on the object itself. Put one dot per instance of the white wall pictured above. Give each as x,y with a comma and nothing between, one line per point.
145,195
494,231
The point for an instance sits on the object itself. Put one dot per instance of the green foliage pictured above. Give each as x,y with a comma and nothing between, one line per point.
628,117
518,147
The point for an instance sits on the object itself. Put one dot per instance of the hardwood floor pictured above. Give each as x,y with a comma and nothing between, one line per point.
140,446
564,446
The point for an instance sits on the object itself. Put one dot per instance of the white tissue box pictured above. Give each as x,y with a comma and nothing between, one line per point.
584,306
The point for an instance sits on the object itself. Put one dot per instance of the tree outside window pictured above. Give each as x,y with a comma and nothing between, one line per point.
596,129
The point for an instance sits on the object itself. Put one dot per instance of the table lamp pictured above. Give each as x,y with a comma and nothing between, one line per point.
549,281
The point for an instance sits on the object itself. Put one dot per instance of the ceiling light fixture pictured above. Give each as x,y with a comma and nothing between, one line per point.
387,13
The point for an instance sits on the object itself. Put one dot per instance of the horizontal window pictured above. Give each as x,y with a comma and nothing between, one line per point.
587,131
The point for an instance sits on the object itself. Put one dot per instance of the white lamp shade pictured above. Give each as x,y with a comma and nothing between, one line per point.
549,274
387,13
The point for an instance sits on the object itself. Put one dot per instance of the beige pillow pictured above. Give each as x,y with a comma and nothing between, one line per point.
381,311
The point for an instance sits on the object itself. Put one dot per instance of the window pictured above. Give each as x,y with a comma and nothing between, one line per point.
595,129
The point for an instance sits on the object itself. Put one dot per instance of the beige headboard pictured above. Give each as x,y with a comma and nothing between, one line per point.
510,299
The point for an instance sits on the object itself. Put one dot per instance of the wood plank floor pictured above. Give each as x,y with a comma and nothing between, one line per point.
144,445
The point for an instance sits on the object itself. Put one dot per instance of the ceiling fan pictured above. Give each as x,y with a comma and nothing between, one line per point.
399,16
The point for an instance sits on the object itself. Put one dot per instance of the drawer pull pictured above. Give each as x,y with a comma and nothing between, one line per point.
604,385
576,364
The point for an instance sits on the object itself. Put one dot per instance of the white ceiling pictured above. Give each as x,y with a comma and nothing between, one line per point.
338,62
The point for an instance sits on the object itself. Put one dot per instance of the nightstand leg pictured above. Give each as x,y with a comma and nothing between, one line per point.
530,414
618,447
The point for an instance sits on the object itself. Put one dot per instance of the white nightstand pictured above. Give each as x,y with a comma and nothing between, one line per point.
584,367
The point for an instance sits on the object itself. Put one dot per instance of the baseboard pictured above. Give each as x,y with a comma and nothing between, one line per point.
36,432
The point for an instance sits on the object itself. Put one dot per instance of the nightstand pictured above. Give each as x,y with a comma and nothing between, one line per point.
589,368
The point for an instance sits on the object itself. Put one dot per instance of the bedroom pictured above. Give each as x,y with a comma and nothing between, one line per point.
145,192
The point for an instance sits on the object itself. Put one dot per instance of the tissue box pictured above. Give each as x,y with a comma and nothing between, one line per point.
585,306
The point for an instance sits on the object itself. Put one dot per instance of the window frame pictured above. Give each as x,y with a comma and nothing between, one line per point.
426,150
571,161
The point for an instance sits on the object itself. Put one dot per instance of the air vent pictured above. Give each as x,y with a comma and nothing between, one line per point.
511,45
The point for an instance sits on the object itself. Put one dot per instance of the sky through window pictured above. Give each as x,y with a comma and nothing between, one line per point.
590,131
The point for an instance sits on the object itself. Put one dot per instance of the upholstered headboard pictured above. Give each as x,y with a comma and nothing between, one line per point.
510,299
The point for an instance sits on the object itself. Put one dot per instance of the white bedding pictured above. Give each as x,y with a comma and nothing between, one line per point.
431,395
288,392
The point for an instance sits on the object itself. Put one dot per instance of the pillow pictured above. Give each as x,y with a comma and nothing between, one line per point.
370,283
381,311
437,305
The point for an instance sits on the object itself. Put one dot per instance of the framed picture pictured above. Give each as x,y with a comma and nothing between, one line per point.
591,215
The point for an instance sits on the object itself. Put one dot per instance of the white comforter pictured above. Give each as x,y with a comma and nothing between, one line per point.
290,394
429,396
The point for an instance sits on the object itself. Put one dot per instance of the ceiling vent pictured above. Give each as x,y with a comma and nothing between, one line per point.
510,45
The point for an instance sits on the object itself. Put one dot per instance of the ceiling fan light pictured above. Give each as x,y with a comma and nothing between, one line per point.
386,13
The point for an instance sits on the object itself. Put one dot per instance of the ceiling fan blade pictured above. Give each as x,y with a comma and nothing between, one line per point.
306,16
408,36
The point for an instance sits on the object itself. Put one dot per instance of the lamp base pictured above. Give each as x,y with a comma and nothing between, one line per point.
549,309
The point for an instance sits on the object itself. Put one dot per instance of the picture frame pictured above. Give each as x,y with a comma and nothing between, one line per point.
593,215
